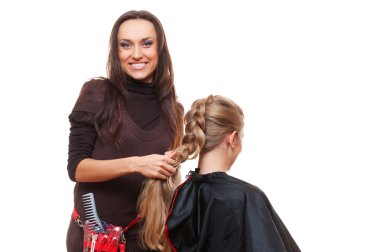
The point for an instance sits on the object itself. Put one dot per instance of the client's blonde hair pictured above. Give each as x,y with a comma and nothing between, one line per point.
206,124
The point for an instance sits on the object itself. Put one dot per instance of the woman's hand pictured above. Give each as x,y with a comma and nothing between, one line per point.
157,166
151,166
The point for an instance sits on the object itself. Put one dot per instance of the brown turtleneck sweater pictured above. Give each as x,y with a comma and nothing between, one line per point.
142,133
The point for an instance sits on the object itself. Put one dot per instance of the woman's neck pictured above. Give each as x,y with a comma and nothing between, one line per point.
215,160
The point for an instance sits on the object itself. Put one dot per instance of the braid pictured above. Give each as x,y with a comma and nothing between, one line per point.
207,122
195,131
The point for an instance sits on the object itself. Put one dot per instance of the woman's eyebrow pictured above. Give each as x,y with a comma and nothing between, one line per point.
129,40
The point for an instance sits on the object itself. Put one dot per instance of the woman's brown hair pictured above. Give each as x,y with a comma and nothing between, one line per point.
171,109
156,194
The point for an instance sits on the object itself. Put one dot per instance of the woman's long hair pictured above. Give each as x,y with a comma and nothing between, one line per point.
171,109
156,194
207,122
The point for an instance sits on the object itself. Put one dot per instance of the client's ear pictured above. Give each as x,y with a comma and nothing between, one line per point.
233,139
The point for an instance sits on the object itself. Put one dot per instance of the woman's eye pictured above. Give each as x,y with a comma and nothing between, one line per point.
124,44
148,43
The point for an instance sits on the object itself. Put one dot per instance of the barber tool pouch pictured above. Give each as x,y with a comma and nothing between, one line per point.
100,236
108,240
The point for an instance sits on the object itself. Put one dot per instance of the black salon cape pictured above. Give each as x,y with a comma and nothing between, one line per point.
217,212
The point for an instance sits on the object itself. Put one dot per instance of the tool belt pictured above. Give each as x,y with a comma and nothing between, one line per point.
110,240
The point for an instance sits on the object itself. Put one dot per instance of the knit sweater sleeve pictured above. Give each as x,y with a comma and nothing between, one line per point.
83,134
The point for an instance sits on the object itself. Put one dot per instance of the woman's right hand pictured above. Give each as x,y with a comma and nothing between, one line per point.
151,166
156,166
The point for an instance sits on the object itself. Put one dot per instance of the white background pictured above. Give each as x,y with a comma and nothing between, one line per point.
306,74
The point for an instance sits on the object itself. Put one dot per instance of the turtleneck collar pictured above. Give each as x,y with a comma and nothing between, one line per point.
136,86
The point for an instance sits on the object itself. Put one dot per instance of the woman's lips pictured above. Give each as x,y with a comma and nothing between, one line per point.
138,66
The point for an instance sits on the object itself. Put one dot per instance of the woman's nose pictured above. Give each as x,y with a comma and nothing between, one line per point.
136,54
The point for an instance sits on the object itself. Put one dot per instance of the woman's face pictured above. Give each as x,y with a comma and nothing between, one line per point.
138,54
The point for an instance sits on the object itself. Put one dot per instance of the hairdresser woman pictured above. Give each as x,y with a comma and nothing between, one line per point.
122,126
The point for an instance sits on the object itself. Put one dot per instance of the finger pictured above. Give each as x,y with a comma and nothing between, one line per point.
166,173
170,154
161,176
156,175
169,168
169,160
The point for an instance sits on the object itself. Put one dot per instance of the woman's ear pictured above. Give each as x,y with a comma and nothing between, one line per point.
232,139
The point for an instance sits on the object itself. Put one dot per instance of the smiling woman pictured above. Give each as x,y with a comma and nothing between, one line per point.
122,128
138,49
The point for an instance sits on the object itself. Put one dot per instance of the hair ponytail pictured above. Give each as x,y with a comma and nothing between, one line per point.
153,206
155,198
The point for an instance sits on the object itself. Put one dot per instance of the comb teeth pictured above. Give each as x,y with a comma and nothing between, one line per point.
90,212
